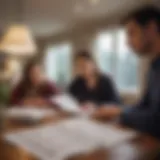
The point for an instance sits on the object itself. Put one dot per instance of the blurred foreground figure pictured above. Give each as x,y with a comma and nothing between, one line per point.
143,30
33,89
91,87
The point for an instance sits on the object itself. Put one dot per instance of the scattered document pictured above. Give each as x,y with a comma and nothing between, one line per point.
66,103
28,113
67,138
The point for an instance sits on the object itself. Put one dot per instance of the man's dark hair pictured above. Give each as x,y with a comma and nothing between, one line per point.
83,54
145,15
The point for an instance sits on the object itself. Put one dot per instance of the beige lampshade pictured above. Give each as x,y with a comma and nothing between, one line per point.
18,40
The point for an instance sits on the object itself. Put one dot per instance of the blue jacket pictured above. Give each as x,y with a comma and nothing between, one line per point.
145,116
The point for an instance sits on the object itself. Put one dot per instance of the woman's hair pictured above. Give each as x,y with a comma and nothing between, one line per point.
26,83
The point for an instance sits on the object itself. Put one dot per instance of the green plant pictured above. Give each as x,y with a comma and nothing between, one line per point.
4,93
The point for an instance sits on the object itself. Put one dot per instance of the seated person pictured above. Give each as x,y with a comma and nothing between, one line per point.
33,89
143,29
91,87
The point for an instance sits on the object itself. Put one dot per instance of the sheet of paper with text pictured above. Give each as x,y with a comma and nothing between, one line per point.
58,141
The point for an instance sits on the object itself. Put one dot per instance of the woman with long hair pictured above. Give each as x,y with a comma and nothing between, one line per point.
33,88
90,86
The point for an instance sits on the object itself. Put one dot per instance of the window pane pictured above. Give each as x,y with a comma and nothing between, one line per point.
58,63
50,64
114,56
127,64
104,51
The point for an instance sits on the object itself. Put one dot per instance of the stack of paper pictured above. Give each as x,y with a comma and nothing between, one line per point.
67,103
28,113
57,142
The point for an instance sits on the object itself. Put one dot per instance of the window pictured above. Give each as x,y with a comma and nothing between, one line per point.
127,64
114,57
104,51
58,63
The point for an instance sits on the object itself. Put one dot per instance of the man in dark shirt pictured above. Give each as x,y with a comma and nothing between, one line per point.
91,87
103,93
143,30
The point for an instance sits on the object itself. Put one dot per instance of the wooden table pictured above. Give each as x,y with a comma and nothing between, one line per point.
137,149
11,152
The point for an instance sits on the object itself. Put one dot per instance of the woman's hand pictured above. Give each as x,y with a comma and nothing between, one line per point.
37,102
27,101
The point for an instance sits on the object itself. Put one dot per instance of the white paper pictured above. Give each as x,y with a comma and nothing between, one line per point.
29,113
66,103
57,142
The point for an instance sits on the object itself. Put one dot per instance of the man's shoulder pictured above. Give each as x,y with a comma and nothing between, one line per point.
105,77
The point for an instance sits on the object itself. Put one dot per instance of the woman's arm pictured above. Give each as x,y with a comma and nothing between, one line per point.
16,96
49,90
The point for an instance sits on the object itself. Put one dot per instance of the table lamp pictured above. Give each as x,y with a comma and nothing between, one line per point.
18,41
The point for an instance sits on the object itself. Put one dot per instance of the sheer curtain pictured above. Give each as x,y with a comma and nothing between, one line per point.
104,51
114,57
58,63
127,64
